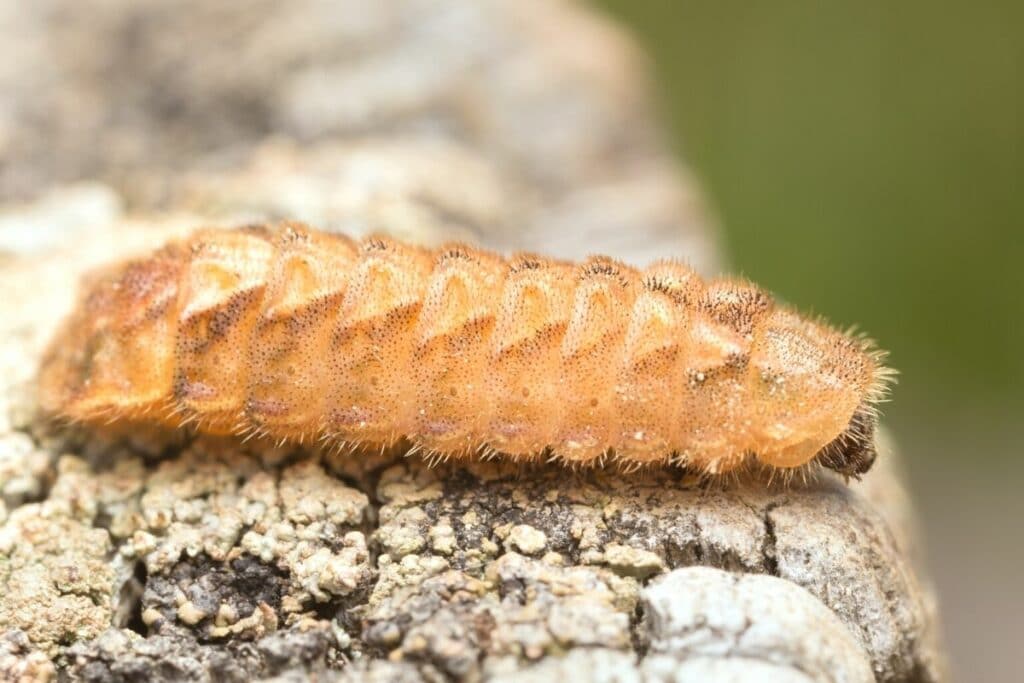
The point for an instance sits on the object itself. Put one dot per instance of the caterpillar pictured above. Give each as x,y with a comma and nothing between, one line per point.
294,334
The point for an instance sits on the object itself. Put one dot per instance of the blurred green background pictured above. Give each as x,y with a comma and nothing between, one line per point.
865,160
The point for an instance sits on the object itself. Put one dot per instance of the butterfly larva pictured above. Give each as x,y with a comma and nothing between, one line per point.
297,334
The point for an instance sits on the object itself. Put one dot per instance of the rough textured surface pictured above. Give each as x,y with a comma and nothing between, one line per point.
173,558
20,662
156,97
703,612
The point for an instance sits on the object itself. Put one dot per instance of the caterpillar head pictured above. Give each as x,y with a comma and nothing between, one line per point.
853,452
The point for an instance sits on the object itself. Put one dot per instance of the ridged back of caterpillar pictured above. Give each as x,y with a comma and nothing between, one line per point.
297,334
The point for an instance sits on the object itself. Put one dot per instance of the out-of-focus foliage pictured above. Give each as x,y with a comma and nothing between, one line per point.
867,163
866,160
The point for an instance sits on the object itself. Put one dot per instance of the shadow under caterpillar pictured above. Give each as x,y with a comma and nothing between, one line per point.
297,335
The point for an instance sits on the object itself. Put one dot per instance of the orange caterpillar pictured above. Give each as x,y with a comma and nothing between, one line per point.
296,334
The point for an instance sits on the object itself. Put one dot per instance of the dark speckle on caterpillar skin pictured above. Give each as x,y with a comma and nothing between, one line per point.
524,262
298,335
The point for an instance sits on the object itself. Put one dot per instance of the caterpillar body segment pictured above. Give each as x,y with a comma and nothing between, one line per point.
299,335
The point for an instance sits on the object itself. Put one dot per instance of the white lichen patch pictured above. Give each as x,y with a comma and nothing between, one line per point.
24,469
629,561
525,539
56,584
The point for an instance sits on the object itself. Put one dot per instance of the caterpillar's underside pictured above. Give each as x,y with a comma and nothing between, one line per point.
296,334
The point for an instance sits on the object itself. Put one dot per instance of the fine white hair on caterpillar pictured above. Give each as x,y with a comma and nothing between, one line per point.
298,335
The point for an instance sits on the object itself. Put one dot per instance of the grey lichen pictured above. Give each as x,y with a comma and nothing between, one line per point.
57,584
19,661
512,566
24,471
